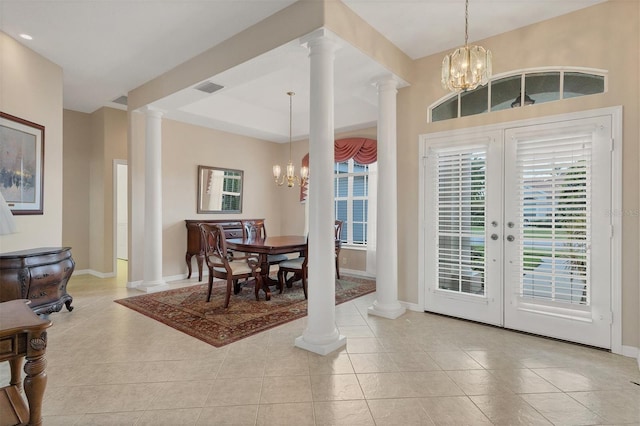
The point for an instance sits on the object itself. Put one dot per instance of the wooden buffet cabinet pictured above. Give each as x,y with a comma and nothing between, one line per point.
39,275
232,229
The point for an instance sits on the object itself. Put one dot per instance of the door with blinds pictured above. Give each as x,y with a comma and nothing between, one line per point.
463,277
512,233
557,244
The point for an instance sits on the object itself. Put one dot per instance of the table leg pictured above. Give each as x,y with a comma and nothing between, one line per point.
188,259
16,374
264,273
200,261
36,379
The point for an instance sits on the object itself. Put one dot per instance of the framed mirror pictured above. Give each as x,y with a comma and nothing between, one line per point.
219,190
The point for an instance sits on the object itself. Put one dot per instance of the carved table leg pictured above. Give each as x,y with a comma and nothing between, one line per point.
188,259
16,375
264,273
36,379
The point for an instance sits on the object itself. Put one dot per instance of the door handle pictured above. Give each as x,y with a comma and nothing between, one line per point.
510,238
494,236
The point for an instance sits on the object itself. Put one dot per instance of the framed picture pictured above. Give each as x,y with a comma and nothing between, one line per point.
21,164
219,190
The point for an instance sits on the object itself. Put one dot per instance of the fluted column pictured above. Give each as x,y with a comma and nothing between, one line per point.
152,278
386,304
321,335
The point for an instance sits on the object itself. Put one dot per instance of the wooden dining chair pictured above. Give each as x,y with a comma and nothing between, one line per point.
297,266
256,229
338,236
222,265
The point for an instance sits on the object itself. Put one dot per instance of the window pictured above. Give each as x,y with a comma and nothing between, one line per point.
508,91
351,192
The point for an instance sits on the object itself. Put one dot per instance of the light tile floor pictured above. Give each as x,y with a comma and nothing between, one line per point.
108,365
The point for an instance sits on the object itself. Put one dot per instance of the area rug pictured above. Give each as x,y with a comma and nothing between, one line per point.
186,309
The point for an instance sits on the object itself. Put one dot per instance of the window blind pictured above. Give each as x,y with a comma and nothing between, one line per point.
554,190
460,203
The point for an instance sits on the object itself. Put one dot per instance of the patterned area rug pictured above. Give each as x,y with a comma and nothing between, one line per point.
186,309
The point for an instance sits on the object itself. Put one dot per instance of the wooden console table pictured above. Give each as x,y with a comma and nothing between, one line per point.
22,335
39,275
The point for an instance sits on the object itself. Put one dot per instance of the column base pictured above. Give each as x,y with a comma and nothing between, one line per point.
391,311
321,349
152,286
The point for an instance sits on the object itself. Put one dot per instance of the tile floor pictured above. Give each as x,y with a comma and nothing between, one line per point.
108,365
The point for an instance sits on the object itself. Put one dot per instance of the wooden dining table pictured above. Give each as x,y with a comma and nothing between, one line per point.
263,247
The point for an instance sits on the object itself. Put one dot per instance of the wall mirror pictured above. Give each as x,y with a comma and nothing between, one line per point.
219,190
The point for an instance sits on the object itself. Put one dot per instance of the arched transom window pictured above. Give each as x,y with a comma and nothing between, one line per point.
524,88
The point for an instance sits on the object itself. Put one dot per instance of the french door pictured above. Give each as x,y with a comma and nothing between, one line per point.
516,231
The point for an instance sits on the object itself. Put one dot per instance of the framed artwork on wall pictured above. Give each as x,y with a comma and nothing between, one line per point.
21,164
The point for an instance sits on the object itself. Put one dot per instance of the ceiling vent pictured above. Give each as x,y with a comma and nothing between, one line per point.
122,100
208,87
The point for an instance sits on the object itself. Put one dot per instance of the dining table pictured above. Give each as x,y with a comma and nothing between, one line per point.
263,247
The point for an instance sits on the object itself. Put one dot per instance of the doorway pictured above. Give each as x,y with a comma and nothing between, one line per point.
516,230
121,213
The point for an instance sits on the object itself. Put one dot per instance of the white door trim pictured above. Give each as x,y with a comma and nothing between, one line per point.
615,210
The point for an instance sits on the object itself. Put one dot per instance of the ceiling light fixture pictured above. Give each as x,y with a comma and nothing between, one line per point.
290,177
26,36
468,66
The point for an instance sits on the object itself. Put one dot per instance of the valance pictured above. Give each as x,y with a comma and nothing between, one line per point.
362,150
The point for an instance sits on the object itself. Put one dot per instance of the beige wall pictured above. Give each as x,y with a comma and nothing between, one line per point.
92,142
31,88
76,189
592,37
184,147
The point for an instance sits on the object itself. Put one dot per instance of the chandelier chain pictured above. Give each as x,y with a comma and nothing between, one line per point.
466,23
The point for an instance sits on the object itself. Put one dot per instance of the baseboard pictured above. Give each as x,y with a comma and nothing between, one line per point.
94,273
356,273
631,352
411,306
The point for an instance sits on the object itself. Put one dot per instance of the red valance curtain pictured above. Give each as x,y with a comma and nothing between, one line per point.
362,150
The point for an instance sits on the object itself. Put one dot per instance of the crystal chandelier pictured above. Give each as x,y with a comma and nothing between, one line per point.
468,66
290,177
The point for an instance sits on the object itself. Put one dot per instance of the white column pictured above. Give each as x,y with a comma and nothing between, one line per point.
321,335
386,304
152,278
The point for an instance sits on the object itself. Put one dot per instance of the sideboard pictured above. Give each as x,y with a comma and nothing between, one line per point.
40,275
232,229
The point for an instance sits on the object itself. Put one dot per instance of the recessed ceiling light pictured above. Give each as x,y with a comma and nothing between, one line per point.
26,36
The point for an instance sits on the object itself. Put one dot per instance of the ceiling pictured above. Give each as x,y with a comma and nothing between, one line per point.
107,48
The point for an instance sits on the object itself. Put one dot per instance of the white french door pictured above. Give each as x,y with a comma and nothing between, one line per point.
512,233
462,274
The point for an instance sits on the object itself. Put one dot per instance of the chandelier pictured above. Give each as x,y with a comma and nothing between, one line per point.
290,176
468,66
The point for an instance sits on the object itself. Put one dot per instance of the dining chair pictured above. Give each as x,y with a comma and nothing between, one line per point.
297,266
256,229
222,265
338,236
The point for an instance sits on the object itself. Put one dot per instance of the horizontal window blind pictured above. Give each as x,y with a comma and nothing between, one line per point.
554,190
460,203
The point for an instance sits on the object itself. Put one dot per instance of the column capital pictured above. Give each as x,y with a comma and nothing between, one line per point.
152,111
321,37
386,82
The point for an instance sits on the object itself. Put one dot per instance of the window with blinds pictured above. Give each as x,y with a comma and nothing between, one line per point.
351,200
461,218
554,188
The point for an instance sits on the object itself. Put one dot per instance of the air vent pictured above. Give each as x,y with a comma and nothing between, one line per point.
122,100
208,87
